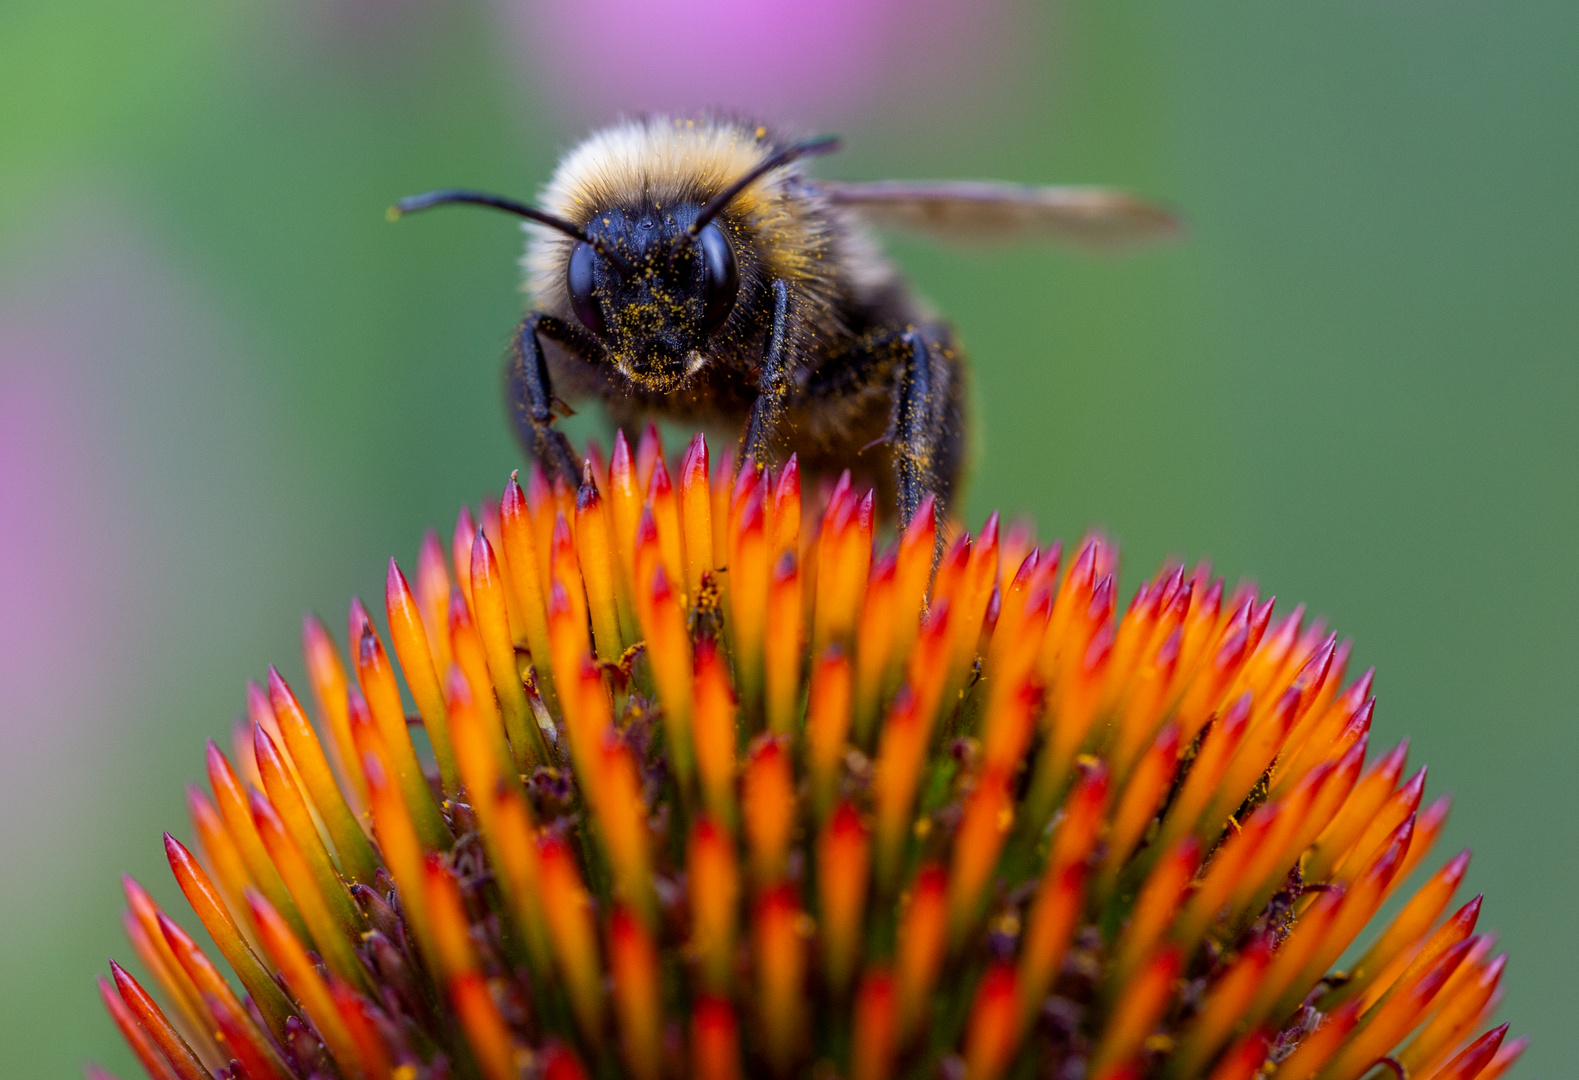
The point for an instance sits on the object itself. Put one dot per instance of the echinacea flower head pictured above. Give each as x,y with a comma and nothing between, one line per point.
711,783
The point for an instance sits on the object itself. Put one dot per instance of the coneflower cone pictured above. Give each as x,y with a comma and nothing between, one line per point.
720,787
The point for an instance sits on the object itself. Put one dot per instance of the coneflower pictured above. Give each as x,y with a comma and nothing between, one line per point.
720,786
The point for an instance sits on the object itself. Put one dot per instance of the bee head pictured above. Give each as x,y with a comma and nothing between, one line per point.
653,283
653,291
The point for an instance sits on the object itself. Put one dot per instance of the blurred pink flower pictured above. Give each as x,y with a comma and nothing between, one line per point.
69,590
803,61
115,423
65,565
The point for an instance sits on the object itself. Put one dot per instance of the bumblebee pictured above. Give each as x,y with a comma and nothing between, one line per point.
690,268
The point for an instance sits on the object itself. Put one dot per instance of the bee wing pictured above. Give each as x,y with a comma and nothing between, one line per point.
992,210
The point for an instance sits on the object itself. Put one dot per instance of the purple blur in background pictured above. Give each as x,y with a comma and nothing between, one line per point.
797,61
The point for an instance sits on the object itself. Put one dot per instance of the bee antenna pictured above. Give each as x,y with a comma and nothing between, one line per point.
822,144
452,196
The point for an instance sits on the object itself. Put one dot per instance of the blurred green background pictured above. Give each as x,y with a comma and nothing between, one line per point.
229,390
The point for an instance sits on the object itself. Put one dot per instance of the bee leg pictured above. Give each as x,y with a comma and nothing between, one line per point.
773,384
925,431
921,378
530,393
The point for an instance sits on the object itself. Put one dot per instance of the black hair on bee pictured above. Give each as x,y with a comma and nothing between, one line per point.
689,268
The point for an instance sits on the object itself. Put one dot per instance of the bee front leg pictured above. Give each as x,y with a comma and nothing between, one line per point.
530,393
926,432
773,383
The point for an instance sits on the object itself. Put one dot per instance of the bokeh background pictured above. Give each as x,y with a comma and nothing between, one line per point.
229,390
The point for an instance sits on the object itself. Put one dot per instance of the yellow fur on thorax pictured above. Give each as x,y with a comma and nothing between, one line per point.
666,159
660,161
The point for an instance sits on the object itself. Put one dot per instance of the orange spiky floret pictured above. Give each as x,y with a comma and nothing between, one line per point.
724,785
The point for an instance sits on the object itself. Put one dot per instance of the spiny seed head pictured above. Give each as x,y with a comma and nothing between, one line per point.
723,786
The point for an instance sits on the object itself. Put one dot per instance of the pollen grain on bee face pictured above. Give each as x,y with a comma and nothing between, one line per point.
723,782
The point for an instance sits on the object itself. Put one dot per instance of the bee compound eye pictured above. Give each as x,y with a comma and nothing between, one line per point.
720,276
578,282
